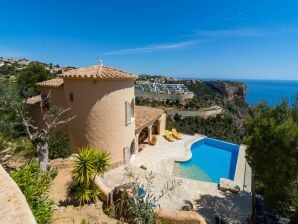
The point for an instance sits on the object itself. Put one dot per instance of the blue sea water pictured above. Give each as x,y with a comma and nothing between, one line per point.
272,91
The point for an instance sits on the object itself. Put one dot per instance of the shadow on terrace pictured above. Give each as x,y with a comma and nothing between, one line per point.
229,208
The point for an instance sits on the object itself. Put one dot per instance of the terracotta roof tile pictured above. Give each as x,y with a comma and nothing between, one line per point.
56,82
98,72
145,115
33,100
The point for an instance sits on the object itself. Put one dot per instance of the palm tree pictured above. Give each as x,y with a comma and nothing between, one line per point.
89,162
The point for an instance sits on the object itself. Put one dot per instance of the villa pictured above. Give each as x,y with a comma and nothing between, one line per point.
216,176
102,101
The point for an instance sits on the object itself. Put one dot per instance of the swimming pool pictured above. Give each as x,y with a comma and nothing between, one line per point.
211,159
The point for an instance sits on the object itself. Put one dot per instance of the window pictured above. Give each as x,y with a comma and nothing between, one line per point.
71,97
130,111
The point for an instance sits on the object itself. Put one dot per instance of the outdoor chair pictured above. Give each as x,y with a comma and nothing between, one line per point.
169,136
176,134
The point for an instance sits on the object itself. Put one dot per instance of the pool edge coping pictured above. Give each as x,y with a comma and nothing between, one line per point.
241,165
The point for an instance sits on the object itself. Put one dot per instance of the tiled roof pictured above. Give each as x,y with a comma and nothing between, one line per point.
98,72
33,100
56,82
145,115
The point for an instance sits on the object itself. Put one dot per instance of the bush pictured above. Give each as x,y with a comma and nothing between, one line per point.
273,153
59,146
33,73
3,142
35,186
134,202
24,147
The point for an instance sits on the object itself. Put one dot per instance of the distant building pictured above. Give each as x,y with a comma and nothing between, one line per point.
23,61
179,89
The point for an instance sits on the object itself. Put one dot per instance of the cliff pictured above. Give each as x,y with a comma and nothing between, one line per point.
231,90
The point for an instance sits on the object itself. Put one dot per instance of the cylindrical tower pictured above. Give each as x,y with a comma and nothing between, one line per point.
102,100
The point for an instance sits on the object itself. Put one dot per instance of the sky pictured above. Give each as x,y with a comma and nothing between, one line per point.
236,39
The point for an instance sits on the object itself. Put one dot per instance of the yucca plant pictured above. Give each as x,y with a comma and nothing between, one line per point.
88,163
101,161
84,169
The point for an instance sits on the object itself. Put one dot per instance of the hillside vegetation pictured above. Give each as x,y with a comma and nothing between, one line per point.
229,95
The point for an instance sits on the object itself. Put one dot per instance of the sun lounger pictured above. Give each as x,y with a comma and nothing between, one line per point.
169,136
228,185
176,134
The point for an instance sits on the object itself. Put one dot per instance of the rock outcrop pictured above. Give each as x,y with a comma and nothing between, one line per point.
231,90
13,205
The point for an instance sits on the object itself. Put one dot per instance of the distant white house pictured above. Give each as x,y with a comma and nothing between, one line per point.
179,89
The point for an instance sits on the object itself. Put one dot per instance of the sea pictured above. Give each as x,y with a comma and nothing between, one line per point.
271,91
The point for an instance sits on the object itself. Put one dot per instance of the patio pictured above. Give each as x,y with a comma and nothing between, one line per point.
203,197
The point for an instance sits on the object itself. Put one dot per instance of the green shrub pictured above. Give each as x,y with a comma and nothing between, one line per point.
3,142
35,186
84,221
24,147
134,202
143,167
59,146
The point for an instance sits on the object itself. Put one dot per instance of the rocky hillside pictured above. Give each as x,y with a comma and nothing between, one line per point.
9,67
228,95
231,90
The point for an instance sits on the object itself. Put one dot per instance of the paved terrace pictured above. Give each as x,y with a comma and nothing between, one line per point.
203,196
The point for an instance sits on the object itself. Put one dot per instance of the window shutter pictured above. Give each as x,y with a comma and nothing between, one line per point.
128,112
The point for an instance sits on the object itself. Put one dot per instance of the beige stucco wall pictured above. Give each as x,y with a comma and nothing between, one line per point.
13,205
162,123
35,114
56,95
99,107
56,98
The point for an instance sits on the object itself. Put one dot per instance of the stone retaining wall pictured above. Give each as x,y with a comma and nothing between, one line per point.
179,217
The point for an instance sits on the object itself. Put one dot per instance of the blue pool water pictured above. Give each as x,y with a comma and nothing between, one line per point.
211,159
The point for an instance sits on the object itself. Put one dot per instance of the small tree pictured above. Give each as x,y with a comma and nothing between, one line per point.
33,73
11,101
273,153
88,163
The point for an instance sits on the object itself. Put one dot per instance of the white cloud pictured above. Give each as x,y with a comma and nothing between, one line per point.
243,32
152,48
